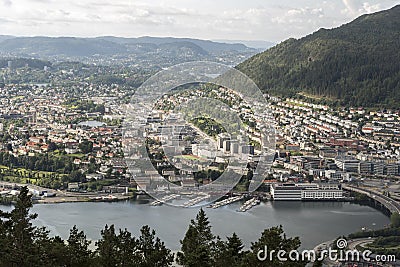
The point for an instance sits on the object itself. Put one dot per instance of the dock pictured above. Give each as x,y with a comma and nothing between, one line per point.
225,202
195,201
164,200
249,204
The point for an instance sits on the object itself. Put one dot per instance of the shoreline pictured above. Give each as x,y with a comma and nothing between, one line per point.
84,198
63,196
137,213
121,198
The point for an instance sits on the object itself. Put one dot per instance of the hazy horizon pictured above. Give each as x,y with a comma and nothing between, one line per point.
253,20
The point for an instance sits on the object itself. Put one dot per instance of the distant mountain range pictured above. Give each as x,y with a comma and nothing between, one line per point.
5,37
209,46
258,44
356,64
48,47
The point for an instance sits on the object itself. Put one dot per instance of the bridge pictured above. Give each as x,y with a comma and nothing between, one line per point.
391,204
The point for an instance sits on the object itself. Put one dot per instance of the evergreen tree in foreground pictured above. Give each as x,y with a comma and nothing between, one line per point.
273,239
229,253
107,249
198,243
152,249
125,250
78,252
201,248
22,244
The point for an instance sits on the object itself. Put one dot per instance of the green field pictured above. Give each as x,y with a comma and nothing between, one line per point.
22,175
191,157
80,155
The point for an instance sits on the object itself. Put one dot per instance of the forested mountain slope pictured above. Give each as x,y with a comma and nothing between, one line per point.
357,64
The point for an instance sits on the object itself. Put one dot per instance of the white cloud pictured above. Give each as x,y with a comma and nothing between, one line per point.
367,7
350,6
208,19
300,15
355,8
7,2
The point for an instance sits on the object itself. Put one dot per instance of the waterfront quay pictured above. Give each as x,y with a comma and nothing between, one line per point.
41,195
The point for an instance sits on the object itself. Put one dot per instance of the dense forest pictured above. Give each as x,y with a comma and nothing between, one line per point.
24,245
357,64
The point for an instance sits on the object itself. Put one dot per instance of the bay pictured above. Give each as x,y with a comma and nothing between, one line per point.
313,222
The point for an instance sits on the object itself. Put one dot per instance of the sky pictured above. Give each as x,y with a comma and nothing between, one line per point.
265,20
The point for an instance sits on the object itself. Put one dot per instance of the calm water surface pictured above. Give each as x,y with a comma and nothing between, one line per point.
313,222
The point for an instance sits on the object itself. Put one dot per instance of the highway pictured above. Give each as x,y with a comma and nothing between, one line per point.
391,204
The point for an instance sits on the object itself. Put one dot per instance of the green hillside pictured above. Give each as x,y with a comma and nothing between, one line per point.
357,64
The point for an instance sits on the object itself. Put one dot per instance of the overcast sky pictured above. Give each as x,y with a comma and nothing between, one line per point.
206,19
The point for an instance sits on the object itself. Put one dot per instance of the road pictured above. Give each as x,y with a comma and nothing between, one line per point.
63,195
389,203
352,244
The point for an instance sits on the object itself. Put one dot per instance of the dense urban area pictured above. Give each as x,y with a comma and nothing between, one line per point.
62,136
324,127
52,138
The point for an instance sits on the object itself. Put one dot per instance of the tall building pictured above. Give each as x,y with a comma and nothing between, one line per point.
392,169
234,147
221,138
226,145
247,149
347,164
378,168
365,167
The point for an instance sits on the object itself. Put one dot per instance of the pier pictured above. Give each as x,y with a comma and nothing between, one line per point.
195,201
249,204
226,202
164,200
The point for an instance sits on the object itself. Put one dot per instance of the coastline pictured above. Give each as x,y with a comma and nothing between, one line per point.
84,198
42,195
170,222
